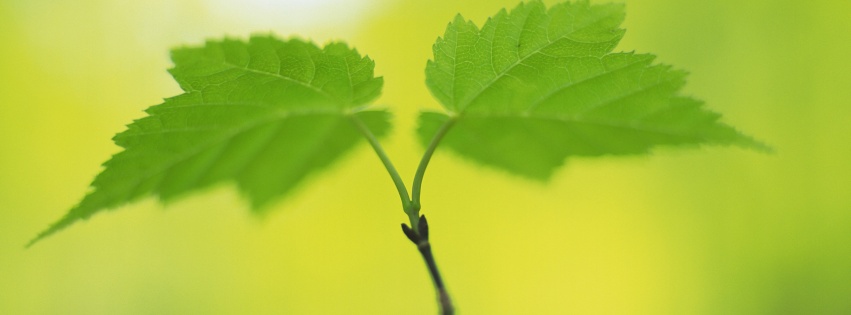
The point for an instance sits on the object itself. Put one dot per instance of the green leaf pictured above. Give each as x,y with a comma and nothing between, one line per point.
534,86
264,114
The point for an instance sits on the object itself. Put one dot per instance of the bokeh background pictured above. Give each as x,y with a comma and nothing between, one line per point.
700,231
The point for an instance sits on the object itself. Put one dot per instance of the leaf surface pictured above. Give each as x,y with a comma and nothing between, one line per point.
534,86
264,114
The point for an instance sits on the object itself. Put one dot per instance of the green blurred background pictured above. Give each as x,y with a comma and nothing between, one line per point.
700,231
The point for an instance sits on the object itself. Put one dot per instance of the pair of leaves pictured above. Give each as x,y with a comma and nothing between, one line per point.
530,88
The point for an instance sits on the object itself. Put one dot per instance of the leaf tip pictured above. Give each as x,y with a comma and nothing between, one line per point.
748,142
458,19
57,226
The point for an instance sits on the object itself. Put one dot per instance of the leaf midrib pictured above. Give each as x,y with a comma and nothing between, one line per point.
285,78
579,120
520,60
228,136
606,72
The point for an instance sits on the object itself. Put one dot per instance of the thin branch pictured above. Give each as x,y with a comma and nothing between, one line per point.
420,238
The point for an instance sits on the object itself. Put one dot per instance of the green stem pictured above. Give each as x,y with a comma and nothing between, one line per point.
418,178
397,180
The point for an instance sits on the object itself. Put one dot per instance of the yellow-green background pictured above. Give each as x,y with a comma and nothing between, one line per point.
706,231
